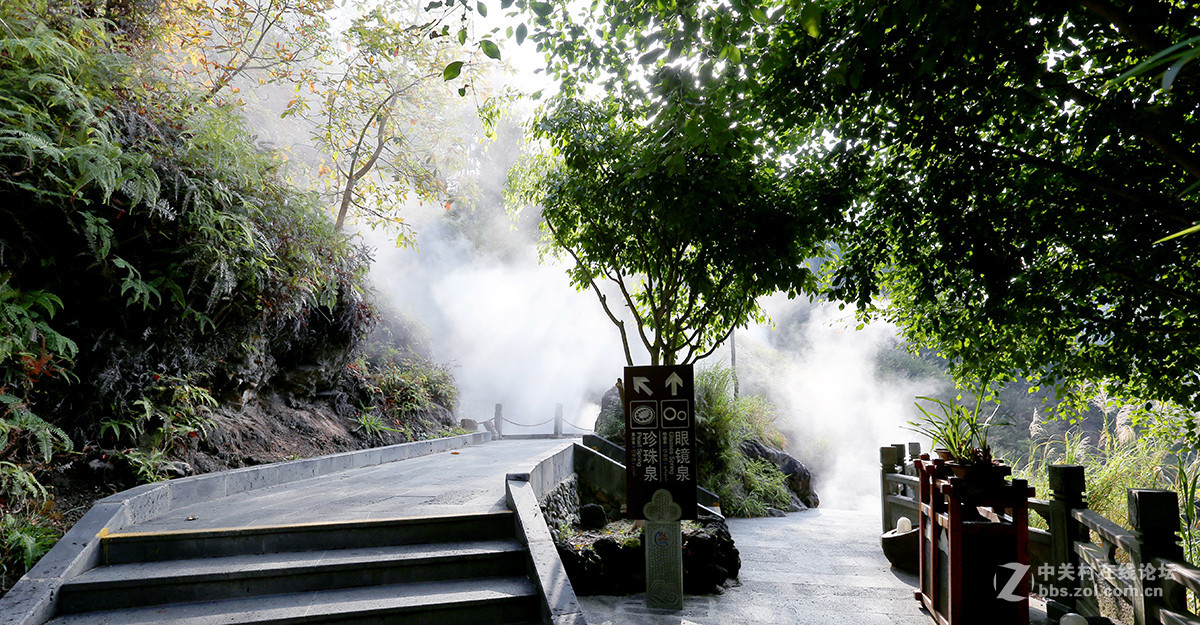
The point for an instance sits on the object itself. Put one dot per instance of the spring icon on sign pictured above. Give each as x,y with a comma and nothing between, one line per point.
643,415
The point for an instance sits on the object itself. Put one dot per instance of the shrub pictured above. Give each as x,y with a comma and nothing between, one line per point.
148,245
163,237
407,394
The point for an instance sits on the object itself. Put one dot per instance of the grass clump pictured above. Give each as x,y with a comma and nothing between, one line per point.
405,394
747,488
1109,469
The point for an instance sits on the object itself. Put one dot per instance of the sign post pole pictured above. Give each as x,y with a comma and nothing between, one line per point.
660,471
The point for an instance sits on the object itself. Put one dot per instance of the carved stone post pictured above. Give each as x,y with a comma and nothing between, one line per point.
663,540
1154,517
889,457
1066,494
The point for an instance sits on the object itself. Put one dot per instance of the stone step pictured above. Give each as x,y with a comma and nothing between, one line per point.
160,582
123,548
489,601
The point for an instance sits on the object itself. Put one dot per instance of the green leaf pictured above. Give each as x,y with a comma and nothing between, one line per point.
650,57
490,48
1169,75
504,4
1195,228
759,15
810,17
542,9
482,8
452,70
521,33
462,36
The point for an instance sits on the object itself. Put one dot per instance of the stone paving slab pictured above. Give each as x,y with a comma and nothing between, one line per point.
463,481
815,567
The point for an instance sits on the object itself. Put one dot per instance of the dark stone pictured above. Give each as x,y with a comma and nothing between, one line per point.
611,421
592,516
799,478
710,562
100,466
469,425
178,469
902,549
710,559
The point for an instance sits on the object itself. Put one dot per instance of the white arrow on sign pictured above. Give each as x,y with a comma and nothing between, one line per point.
642,385
673,383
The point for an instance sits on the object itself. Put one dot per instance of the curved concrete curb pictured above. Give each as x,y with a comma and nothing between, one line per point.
31,601
523,492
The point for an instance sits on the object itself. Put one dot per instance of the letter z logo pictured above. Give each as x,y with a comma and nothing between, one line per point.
1008,592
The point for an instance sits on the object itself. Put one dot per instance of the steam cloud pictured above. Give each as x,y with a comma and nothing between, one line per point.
833,401
516,331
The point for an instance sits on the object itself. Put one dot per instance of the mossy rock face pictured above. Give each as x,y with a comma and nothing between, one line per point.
611,422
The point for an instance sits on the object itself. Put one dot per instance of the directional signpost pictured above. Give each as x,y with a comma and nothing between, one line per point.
660,435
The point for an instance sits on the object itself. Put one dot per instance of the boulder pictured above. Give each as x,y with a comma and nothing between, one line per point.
592,516
710,559
799,478
610,423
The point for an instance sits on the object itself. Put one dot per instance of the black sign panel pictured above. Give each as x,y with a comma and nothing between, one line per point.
660,436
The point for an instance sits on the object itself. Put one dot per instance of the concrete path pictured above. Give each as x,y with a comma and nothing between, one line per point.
814,567
464,481
810,568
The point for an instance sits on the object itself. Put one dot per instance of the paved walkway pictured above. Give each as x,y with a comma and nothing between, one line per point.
464,481
814,567
809,568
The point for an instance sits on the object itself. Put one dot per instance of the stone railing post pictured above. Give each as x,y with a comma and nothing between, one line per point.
889,457
1154,517
910,467
498,420
1067,488
558,421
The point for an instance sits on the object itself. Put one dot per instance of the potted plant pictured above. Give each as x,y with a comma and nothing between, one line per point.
972,523
963,435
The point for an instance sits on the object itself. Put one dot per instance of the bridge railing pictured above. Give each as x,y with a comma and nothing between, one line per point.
1137,576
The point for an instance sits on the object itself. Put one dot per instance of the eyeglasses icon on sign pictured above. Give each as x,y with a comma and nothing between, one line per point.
643,415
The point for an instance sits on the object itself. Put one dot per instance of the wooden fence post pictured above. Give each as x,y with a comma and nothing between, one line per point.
1154,517
1067,488
889,457
558,421
498,420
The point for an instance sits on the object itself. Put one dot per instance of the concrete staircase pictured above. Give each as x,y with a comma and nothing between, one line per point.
453,570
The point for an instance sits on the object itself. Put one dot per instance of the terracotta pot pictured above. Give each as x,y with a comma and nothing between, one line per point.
944,454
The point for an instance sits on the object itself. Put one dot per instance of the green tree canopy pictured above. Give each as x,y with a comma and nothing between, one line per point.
1009,195
690,231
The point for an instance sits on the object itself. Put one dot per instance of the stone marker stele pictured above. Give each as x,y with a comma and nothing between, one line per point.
660,434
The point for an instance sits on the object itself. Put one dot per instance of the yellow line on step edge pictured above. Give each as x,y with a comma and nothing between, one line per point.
105,533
